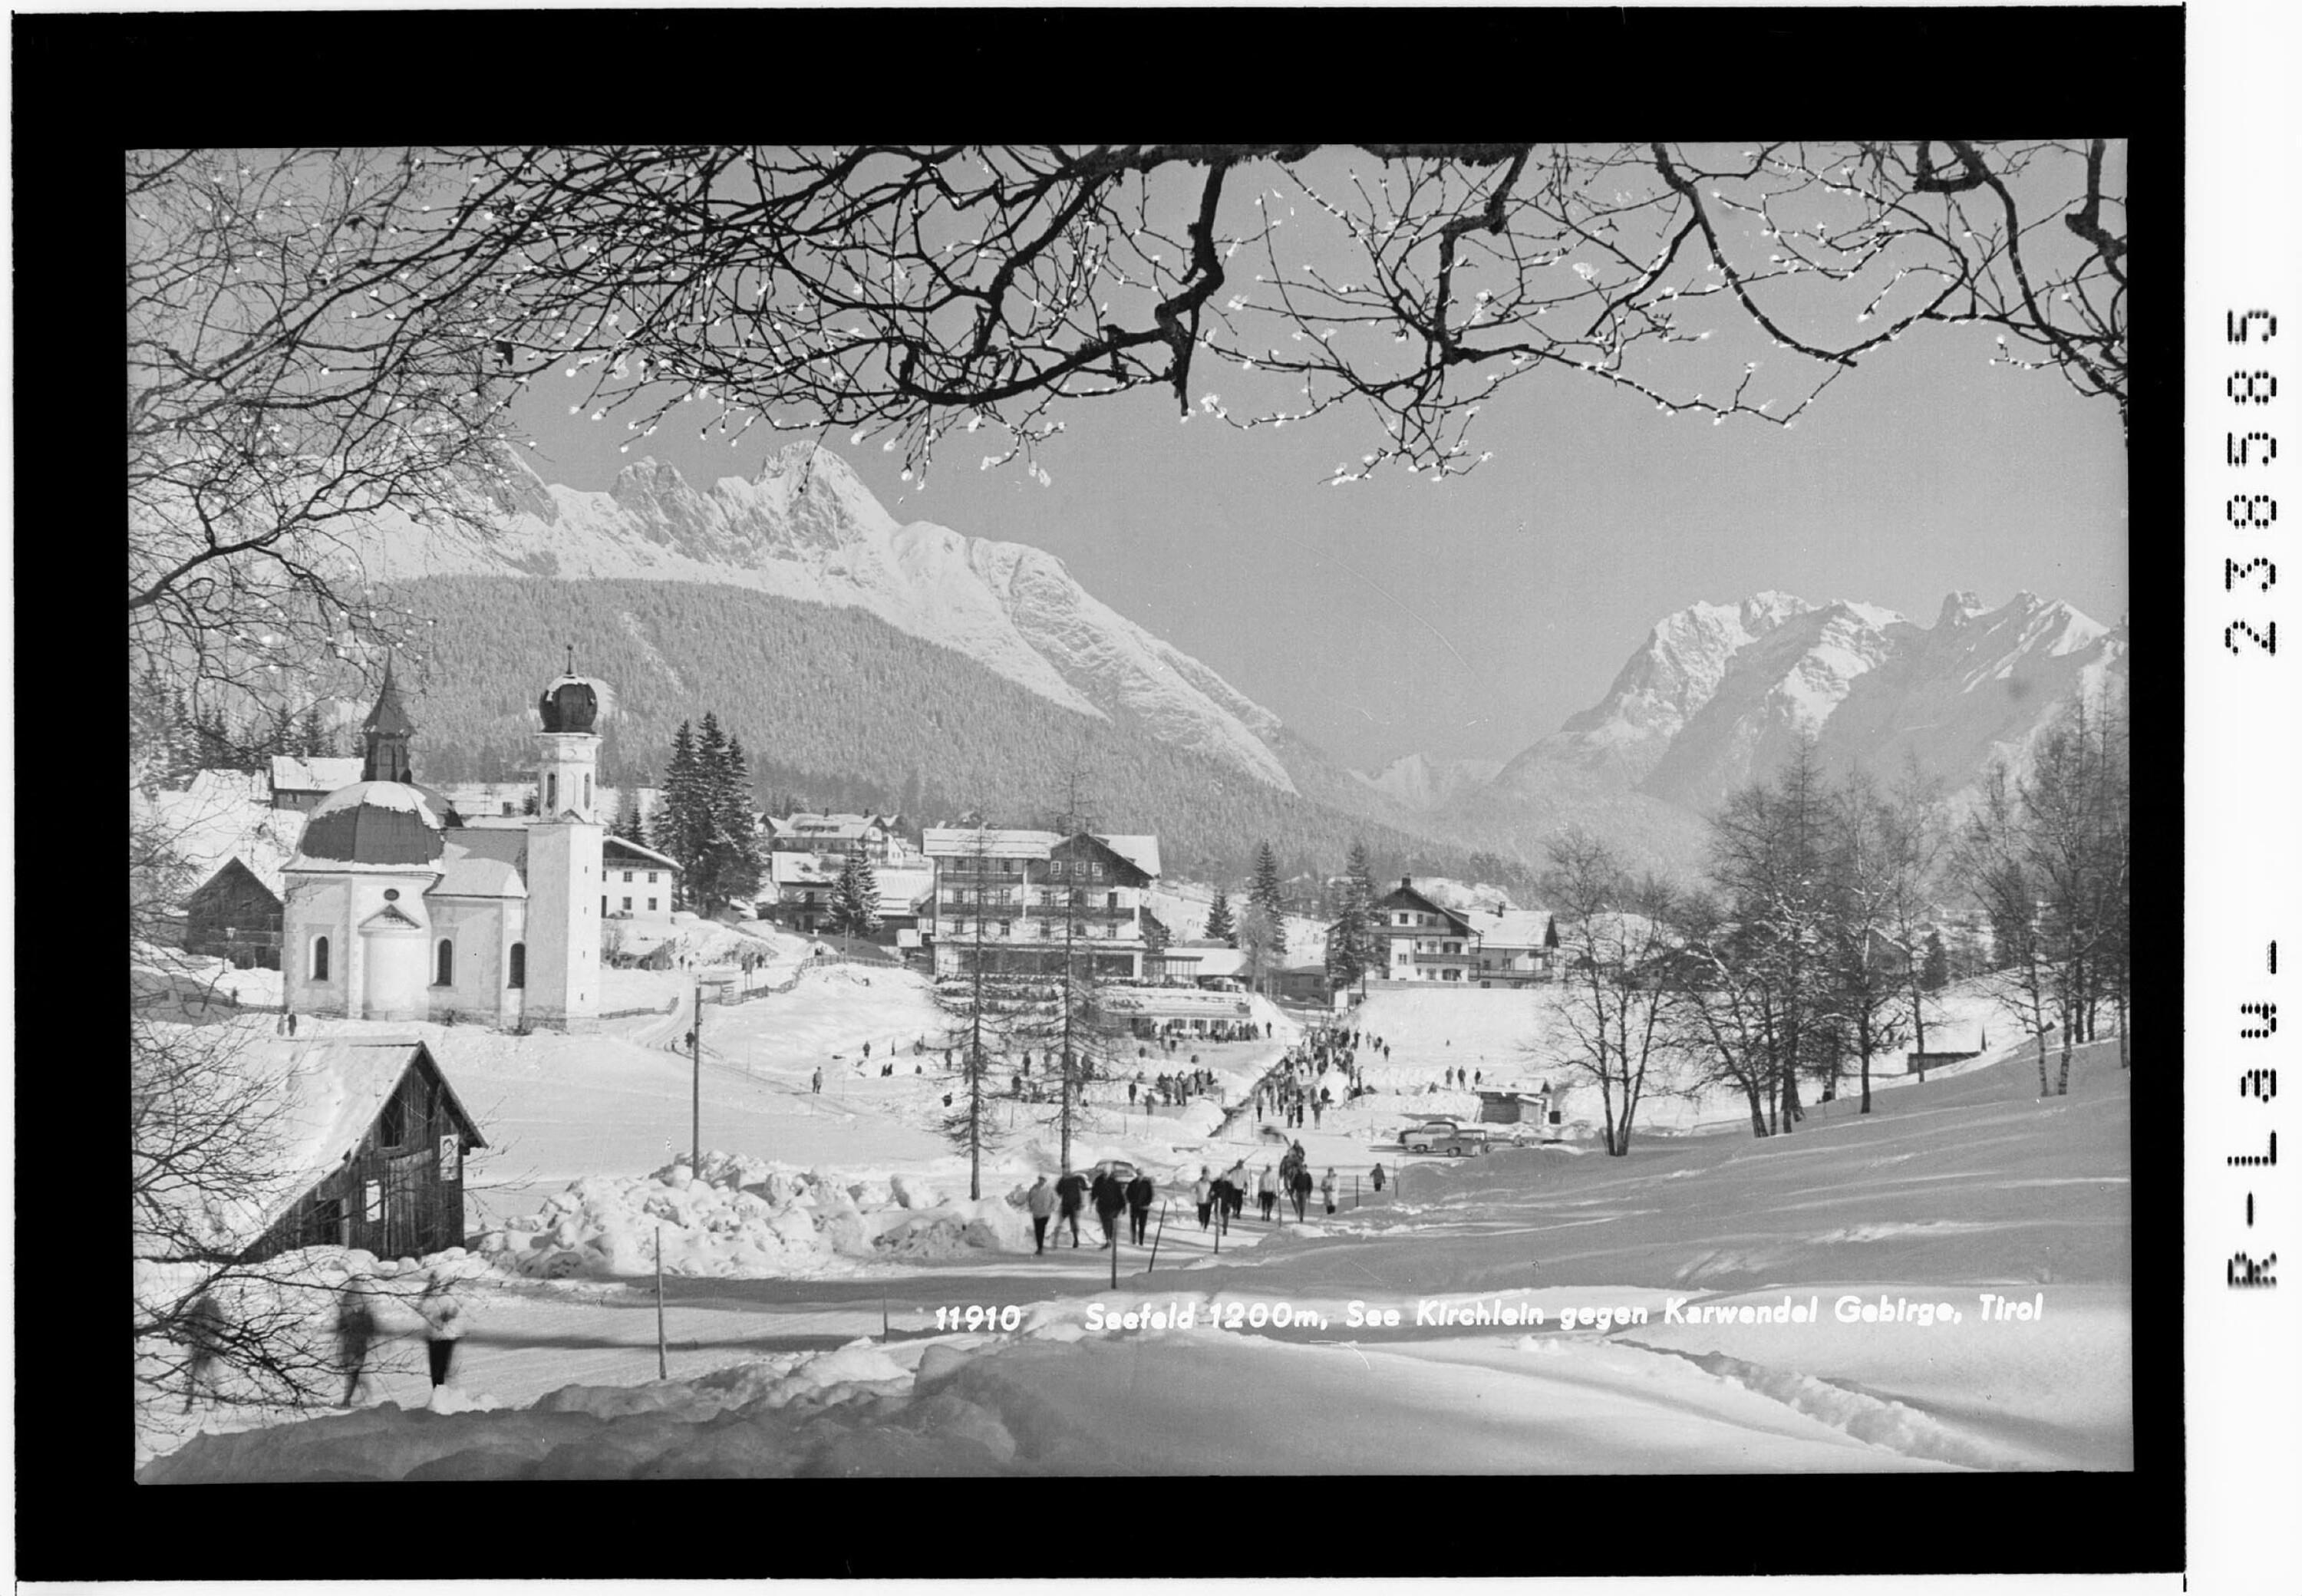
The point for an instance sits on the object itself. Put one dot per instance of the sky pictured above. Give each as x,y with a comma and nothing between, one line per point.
1468,618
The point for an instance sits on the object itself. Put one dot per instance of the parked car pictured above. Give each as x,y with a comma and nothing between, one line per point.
1119,1168
1431,1136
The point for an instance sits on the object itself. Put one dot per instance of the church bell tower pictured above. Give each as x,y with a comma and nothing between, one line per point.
566,879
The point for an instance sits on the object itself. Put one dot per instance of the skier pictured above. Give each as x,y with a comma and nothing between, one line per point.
355,1333
1266,1192
1327,1189
1140,1190
1070,1191
1042,1203
443,1325
1203,1193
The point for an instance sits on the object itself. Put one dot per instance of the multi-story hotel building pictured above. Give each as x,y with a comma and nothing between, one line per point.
1025,901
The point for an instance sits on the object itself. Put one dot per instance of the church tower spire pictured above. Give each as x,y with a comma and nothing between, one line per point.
387,728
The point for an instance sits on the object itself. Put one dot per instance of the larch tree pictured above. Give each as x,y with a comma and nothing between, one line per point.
1614,990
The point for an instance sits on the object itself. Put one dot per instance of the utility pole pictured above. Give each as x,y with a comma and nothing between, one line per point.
662,1370
696,1100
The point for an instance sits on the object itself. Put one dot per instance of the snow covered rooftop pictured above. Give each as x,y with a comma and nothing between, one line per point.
378,795
1141,852
1515,928
615,847
290,775
467,875
310,1105
966,842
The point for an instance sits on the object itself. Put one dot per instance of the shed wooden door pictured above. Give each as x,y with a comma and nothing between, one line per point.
404,1215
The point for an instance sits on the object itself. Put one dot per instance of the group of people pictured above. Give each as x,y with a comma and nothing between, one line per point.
1109,1195
208,1335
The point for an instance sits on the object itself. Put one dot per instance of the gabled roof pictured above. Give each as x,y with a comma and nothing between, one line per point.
612,846
391,916
1142,851
467,875
233,869
1404,897
313,1103
1513,928
1088,845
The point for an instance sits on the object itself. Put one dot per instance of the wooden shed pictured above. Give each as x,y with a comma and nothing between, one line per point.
379,1140
234,916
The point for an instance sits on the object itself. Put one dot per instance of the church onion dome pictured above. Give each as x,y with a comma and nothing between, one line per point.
570,704
373,823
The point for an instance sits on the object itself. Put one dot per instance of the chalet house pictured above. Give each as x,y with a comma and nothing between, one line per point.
371,1147
876,837
1516,947
639,881
1421,940
1033,899
234,915
807,887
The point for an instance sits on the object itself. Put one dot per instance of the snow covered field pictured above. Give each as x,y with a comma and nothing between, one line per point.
1543,1296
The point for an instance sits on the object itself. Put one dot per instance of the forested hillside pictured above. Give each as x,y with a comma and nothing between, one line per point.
837,707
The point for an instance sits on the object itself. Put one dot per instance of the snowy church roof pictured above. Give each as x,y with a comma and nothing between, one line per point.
386,823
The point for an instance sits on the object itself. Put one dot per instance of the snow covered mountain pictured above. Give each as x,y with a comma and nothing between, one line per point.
807,528
1718,694
1422,781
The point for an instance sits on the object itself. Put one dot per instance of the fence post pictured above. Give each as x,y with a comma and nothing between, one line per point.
662,1371
1156,1235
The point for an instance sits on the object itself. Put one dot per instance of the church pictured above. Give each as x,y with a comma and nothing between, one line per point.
397,909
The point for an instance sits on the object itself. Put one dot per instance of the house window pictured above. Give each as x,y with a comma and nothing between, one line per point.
628,876
519,964
447,977
1111,900
627,905
651,903
650,878
319,958
551,794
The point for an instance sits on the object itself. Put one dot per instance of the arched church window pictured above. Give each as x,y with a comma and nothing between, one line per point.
550,793
319,958
447,963
519,964
587,792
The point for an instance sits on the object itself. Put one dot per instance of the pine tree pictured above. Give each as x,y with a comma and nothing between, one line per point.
1265,895
627,817
311,738
867,894
1219,927
1935,974
681,819
733,859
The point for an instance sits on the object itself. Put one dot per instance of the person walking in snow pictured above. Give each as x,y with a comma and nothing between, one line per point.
1318,1110
207,1327
1140,1190
867,1050
1070,1191
1327,1189
1378,1177
1301,1189
1130,1094
1110,1196
355,1334
1203,1193
1042,1205
1266,1192
445,1323
816,1084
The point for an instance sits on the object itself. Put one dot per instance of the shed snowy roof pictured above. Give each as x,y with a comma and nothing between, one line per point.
310,1105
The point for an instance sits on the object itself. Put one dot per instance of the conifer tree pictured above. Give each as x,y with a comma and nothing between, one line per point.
311,740
732,863
1265,896
678,833
1219,927
1934,975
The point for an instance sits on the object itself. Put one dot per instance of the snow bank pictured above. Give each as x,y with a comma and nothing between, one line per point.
746,1217
852,1411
